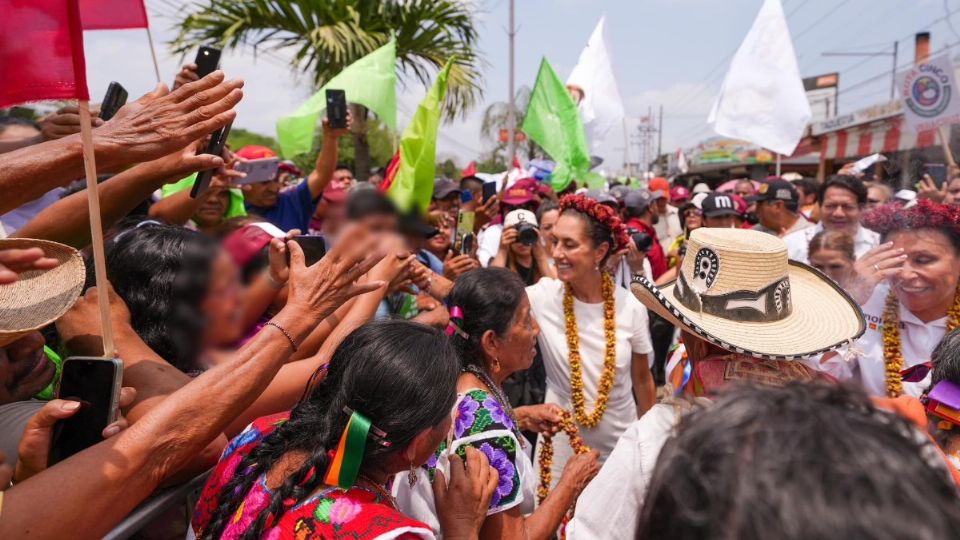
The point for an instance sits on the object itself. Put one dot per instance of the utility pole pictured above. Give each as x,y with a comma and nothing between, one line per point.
511,116
660,136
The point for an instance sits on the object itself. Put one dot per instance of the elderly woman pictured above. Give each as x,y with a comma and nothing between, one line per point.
322,470
593,335
907,288
495,334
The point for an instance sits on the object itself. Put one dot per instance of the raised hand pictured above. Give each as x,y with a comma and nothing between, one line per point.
187,74
66,121
462,504
162,122
876,265
455,265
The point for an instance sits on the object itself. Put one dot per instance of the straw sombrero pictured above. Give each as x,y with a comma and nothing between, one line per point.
39,297
737,289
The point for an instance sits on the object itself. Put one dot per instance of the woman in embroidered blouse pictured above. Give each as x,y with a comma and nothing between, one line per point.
274,480
495,334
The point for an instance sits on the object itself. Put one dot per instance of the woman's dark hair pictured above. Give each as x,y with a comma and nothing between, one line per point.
946,359
834,241
489,298
163,274
842,181
547,206
401,375
806,461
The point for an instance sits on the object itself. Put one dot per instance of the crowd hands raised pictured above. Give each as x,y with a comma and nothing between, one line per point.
428,371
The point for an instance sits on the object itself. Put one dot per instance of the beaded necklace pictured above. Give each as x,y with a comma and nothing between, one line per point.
500,397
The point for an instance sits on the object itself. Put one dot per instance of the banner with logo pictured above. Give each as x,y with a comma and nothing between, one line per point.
929,94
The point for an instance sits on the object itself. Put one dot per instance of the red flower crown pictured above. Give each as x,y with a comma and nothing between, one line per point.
601,213
926,214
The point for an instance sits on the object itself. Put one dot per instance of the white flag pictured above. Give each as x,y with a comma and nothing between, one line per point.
762,99
682,161
601,107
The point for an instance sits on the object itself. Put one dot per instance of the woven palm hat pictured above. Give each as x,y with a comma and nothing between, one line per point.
39,297
737,289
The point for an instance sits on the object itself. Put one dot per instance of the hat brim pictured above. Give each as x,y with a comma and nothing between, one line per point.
822,318
721,212
39,297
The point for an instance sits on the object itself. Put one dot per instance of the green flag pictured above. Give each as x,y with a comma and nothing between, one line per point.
370,81
412,188
552,121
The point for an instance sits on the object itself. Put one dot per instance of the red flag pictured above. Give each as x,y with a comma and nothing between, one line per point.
470,170
113,14
391,173
41,51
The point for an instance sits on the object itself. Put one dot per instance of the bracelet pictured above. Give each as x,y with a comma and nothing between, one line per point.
286,334
274,284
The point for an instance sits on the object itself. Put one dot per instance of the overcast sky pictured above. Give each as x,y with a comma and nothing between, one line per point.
665,52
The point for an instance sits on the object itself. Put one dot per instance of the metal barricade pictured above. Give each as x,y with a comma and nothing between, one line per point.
161,501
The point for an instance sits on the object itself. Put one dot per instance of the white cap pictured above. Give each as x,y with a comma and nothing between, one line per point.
697,200
517,216
701,188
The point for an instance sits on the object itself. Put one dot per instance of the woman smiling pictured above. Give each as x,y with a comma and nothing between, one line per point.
907,288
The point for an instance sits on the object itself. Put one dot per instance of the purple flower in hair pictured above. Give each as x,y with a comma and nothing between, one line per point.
497,414
500,461
466,415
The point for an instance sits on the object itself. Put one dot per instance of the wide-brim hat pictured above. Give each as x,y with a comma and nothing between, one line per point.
737,289
39,297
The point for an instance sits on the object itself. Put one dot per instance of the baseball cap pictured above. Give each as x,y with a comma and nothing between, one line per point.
444,187
518,216
603,197
679,194
641,199
719,204
255,151
701,188
246,242
660,184
334,193
775,189
619,192
521,192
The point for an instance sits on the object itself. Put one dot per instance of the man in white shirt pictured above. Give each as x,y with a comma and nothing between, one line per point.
841,199
668,227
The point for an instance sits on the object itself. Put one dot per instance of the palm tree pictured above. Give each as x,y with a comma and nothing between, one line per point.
495,119
325,36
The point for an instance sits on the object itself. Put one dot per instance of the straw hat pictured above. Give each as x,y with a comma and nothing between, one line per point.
39,297
737,290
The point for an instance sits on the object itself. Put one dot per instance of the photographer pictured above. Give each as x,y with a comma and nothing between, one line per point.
520,248
641,215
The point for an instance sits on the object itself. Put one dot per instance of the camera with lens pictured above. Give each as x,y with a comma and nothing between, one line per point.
527,233
642,240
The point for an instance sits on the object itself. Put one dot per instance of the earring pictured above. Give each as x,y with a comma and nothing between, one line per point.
412,476
496,364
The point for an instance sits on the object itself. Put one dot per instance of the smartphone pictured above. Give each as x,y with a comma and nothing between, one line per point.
115,98
336,109
215,147
207,61
489,191
937,171
258,170
466,244
95,383
465,223
314,248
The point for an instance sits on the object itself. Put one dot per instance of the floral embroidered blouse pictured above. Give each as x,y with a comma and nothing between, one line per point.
481,422
356,513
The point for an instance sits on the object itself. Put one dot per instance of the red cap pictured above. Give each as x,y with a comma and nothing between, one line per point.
334,193
521,192
660,184
679,194
254,151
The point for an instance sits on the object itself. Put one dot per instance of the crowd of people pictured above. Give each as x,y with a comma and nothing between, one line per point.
654,359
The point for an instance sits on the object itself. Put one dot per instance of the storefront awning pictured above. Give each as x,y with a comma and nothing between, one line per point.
887,135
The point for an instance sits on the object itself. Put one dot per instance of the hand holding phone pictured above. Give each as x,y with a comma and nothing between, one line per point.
207,61
95,383
489,191
258,171
936,171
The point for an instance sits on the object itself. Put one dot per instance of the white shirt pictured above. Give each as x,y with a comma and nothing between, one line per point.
917,341
798,243
610,505
668,227
488,243
632,336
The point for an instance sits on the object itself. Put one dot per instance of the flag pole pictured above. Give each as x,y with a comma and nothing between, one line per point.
96,227
778,163
153,54
945,143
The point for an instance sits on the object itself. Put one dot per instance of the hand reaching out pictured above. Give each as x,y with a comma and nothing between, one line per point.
580,469
16,261
455,266
927,189
187,74
462,504
66,121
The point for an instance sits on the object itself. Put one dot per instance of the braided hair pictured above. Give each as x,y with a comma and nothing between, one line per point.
399,374
489,298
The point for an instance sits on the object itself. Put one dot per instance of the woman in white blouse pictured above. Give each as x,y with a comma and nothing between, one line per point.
605,381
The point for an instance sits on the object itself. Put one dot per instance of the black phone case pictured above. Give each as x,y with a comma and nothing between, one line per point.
115,98
208,58
336,109
217,142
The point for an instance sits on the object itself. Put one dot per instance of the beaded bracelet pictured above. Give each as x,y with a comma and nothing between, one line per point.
286,334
